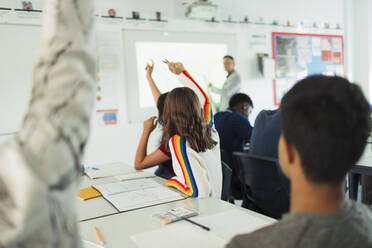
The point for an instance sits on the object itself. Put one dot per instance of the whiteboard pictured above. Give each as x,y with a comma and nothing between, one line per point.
202,54
18,51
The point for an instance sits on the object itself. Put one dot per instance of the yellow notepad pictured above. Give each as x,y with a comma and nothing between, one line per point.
88,193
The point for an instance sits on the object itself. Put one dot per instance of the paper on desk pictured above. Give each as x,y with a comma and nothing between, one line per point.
180,235
134,194
228,224
109,170
125,186
134,175
88,244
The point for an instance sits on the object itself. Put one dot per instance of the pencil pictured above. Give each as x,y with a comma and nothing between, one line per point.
98,236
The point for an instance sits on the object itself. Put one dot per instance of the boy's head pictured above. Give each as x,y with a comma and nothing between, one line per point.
242,103
325,126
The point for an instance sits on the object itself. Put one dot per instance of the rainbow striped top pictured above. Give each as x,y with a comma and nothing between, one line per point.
197,174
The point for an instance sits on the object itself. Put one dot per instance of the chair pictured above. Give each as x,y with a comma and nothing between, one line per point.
235,189
262,187
226,181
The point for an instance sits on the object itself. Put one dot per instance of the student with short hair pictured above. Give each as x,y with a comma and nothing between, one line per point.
235,131
192,140
233,125
325,126
161,157
264,142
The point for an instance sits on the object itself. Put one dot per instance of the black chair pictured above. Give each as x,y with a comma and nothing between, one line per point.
226,181
235,189
262,188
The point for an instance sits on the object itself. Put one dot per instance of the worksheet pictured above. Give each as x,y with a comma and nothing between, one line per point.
135,194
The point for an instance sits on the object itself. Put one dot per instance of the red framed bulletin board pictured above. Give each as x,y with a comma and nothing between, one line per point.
298,55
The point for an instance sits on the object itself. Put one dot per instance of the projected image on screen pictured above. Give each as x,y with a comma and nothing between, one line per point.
203,61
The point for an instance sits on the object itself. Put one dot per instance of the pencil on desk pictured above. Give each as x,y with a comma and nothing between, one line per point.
99,236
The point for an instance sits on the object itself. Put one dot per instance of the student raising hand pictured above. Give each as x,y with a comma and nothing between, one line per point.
149,70
150,124
176,68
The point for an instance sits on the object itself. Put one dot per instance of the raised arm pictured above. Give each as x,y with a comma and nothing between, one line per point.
40,166
188,81
154,88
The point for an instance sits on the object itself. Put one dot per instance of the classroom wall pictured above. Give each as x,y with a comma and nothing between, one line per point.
119,142
123,139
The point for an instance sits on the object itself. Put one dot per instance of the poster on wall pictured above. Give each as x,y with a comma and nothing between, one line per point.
300,55
108,77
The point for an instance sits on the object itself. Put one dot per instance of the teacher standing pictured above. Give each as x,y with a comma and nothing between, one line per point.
231,86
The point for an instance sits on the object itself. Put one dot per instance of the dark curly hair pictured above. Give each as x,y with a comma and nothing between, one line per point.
184,116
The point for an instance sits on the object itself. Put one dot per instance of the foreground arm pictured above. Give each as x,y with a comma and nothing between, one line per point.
40,166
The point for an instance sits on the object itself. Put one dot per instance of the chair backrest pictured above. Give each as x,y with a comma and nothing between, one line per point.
226,157
262,184
259,173
226,181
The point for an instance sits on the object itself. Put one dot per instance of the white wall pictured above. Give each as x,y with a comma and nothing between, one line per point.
118,143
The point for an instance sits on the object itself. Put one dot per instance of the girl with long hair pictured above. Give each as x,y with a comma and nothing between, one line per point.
191,138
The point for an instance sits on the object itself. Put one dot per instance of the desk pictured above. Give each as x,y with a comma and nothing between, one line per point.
99,207
117,228
362,167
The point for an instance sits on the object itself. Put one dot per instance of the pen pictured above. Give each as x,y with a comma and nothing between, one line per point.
197,224
165,61
192,222
98,236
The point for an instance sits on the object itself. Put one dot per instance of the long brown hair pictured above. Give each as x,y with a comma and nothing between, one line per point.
184,116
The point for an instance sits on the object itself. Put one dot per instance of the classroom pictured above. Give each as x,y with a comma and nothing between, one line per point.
187,123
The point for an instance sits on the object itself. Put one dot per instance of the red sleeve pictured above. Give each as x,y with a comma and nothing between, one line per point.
164,150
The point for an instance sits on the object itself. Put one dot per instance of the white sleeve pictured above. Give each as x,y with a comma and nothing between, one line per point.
186,79
40,166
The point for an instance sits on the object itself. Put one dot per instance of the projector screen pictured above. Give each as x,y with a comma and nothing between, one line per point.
201,53
207,69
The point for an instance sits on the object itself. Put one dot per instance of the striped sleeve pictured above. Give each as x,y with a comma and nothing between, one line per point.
184,180
188,81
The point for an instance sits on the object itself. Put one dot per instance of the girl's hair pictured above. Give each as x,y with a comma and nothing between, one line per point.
184,116
160,105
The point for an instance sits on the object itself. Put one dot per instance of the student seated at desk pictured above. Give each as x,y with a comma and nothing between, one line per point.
233,125
264,142
41,164
193,142
325,126
160,157
234,130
